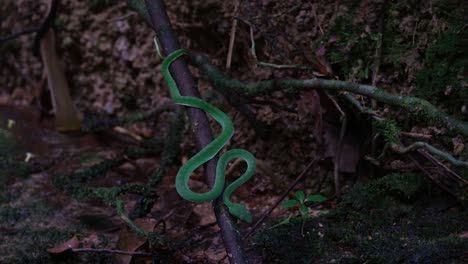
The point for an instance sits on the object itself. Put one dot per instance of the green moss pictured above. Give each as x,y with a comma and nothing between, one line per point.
389,130
390,220
441,81
353,46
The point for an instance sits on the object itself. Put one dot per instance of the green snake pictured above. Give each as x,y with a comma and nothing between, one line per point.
207,153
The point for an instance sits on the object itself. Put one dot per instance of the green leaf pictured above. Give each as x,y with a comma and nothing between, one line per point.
300,196
304,210
289,204
316,198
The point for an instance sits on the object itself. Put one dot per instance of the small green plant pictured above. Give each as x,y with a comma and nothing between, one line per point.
301,200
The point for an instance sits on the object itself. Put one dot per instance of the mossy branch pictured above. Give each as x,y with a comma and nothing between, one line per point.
73,183
413,105
96,123
402,150
168,156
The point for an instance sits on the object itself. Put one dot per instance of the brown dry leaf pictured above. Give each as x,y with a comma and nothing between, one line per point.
70,244
128,241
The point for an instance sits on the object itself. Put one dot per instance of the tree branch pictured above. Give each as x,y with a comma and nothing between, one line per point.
413,105
199,122
416,145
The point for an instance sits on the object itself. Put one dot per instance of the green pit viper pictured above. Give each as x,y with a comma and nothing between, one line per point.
207,153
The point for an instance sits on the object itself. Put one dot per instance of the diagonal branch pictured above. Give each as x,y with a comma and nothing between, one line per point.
199,122
418,107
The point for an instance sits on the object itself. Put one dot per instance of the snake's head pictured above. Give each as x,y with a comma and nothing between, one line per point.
239,211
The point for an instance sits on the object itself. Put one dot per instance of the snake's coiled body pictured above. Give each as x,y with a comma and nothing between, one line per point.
210,151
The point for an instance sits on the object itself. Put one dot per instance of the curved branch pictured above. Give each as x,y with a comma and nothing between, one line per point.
416,145
416,106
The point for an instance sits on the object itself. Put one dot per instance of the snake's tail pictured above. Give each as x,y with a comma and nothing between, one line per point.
236,209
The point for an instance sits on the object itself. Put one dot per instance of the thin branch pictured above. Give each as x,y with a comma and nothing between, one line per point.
111,251
378,50
416,135
431,176
279,200
452,174
417,145
267,64
339,148
232,37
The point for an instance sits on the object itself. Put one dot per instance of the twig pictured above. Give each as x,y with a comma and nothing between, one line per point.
339,149
232,37
403,150
451,172
121,17
279,200
430,175
266,64
111,251
375,74
200,125
119,204
415,135
361,108
378,51
233,166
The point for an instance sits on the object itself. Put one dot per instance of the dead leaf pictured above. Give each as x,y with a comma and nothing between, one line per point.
130,242
70,244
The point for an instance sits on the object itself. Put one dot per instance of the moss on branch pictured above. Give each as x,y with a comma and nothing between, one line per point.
418,107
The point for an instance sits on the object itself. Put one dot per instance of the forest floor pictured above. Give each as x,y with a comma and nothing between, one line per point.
394,209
